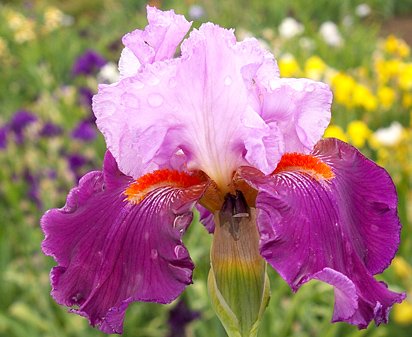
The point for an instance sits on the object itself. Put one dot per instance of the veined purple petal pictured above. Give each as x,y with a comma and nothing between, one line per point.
111,252
148,118
157,42
206,218
301,110
340,231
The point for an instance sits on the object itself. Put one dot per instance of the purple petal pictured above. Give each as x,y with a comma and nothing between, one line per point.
111,252
206,218
148,118
301,110
20,120
340,231
157,42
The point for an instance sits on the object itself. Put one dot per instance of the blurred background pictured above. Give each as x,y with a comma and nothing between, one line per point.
53,54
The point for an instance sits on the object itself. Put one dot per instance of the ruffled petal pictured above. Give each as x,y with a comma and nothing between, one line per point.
340,231
301,110
159,40
198,104
111,252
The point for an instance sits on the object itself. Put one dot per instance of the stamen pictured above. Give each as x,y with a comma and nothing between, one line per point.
138,189
305,163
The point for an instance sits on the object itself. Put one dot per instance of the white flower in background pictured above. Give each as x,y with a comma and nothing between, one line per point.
347,21
109,73
330,34
289,28
307,43
389,136
362,10
196,12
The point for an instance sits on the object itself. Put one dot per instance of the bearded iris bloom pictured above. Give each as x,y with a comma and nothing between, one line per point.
216,128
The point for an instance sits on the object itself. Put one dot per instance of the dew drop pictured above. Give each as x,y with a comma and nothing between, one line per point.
108,107
130,100
154,254
228,80
172,83
179,251
138,85
155,100
310,88
181,222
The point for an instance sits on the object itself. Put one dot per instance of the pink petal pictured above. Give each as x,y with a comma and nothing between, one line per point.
301,110
199,104
160,38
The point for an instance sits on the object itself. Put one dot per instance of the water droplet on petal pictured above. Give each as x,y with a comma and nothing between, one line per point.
108,107
228,80
172,83
138,85
181,222
155,100
179,251
310,88
154,254
130,100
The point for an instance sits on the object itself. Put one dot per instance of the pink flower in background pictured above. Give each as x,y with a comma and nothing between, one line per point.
216,126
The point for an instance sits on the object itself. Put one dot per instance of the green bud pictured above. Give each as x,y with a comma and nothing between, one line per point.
237,283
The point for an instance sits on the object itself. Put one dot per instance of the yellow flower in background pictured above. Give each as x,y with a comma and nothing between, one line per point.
386,96
402,268
407,100
288,66
53,19
396,47
343,86
405,77
335,131
363,97
315,68
23,28
358,133
387,69
402,313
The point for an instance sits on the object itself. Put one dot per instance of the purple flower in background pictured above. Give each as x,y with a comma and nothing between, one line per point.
85,99
50,129
33,188
3,137
179,317
217,127
88,63
84,131
20,120
76,163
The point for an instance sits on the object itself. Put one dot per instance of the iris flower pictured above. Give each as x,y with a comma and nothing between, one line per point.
216,128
